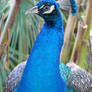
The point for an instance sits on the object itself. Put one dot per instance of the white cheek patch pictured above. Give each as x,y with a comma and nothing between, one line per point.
41,6
52,8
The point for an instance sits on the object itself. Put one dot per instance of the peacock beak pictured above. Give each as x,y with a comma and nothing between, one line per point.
32,10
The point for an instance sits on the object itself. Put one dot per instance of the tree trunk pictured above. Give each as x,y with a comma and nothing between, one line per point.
78,42
71,24
88,21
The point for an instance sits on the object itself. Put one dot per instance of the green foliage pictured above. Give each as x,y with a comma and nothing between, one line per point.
21,37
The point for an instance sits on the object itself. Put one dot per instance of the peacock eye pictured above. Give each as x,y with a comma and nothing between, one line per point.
46,7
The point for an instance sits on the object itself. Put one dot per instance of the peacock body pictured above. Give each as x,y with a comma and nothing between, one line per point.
77,79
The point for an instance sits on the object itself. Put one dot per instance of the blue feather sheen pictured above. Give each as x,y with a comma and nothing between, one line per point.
74,7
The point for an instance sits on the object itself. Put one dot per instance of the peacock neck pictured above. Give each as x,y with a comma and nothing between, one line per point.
45,54
42,69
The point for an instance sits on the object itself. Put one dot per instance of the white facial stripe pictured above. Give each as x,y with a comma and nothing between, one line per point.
50,10
41,7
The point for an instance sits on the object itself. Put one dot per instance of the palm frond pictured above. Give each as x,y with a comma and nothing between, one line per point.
21,37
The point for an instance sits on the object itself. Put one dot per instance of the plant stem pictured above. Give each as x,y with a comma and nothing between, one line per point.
78,42
88,21
71,24
9,23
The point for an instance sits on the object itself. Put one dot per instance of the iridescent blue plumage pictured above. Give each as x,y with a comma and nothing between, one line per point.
68,5
42,73
74,7
65,72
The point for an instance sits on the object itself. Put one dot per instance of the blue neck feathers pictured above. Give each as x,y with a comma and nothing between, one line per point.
42,70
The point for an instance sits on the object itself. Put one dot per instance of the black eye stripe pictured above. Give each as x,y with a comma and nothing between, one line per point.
47,9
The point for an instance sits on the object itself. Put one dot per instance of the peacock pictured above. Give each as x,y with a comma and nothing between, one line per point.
43,72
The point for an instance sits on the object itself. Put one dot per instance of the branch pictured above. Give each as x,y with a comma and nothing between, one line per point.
71,24
78,42
1,23
88,21
67,37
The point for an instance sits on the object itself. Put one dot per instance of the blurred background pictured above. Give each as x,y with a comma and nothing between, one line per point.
18,33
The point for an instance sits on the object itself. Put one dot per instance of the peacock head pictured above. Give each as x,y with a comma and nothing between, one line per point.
47,9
